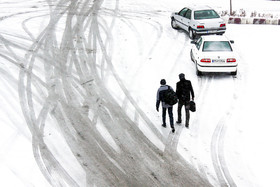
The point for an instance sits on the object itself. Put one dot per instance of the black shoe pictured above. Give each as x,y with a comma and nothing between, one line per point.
187,126
173,130
178,121
163,125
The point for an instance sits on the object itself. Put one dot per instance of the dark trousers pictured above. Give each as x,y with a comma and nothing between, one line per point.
170,113
187,107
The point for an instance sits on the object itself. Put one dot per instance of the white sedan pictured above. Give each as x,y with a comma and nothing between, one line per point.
198,20
214,53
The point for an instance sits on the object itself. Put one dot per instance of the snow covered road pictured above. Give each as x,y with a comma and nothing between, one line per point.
78,83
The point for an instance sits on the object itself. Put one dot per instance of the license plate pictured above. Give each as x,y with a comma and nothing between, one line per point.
212,31
218,60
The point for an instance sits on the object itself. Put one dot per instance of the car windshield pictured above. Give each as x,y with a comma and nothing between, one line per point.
209,46
205,14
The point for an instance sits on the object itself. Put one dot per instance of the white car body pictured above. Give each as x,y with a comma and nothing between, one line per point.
214,53
198,20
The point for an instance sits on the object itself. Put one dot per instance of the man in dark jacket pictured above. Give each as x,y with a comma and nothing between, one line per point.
160,98
184,91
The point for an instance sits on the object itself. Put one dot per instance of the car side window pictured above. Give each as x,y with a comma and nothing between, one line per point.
183,12
198,43
188,14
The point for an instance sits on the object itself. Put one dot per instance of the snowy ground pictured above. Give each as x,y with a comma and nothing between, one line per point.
78,87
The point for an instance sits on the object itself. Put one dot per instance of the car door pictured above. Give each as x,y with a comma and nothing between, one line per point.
187,19
196,49
180,17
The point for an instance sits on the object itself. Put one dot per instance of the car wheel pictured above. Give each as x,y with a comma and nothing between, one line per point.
233,73
198,73
173,24
191,54
191,34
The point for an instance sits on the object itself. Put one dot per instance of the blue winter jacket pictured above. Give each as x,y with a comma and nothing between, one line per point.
160,96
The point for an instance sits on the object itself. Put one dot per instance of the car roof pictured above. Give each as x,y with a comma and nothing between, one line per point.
214,38
199,7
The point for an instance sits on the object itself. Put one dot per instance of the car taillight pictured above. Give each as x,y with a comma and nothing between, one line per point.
207,60
223,25
200,27
231,60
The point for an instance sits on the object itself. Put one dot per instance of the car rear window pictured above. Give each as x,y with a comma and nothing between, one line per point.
205,14
209,46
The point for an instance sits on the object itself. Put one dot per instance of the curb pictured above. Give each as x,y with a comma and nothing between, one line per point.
234,20
244,20
259,21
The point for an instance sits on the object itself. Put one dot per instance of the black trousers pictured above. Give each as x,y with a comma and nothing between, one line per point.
187,107
170,113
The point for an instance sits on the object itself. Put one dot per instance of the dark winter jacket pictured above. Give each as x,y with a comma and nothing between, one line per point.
184,89
160,94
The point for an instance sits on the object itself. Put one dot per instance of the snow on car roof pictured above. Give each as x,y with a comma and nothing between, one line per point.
214,38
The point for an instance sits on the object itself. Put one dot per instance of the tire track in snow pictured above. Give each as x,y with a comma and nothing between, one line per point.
204,84
129,97
142,140
87,160
218,138
137,161
217,151
42,155
47,162
217,141
177,155
81,133
128,18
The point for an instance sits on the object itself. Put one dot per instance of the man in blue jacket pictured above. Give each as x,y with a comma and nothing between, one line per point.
160,98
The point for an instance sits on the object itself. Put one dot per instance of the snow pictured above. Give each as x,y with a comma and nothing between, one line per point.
78,98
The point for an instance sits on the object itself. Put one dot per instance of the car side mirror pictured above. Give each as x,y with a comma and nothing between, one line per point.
193,42
232,41
176,13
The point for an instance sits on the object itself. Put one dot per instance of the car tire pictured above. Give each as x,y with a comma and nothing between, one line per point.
191,54
198,73
173,24
233,73
191,34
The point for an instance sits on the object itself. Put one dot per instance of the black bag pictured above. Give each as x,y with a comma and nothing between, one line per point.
192,106
170,97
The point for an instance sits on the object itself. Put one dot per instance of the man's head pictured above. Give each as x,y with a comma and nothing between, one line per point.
181,76
162,82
